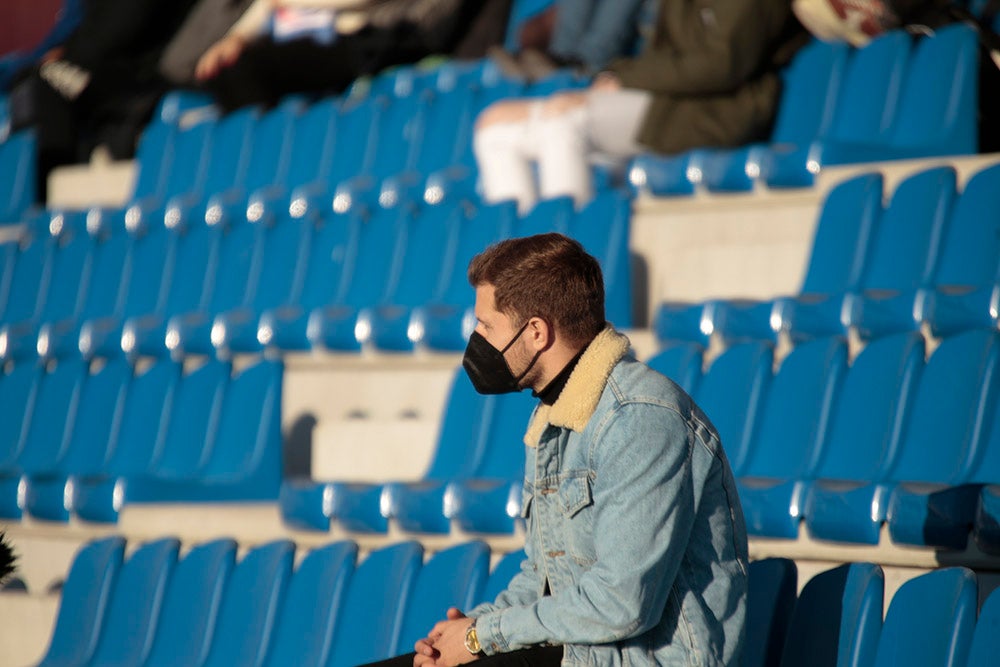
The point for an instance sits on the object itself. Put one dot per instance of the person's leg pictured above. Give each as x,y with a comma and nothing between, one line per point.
614,118
563,145
571,22
540,656
608,32
504,152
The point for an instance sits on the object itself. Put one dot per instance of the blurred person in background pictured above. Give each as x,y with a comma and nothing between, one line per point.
708,77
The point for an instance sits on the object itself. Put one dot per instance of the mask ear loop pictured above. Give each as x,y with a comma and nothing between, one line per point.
520,331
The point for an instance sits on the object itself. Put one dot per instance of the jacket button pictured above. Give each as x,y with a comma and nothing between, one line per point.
556,554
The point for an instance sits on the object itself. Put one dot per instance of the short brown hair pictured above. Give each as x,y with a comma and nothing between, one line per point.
549,276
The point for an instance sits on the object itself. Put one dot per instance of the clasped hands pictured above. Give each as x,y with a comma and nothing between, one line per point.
445,645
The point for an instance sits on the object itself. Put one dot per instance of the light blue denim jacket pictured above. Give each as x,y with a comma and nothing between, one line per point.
633,524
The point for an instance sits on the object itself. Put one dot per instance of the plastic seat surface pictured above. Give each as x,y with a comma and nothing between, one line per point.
375,604
930,620
250,605
730,393
313,606
191,605
789,444
84,601
837,618
502,574
681,362
770,601
986,638
134,608
863,439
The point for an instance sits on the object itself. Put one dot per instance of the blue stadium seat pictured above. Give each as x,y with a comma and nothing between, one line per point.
847,223
866,106
964,286
280,280
268,159
231,286
937,105
931,620
432,232
110,273
53,413
17,176
808,100
395,138
250,605
932,503
491,500
453,577
771,586
913,486
191,605
458,180
986,638
505,570
61,296
520,11
133,611
84,602
906,243
375,604
18,394
837,618
184,172
99,497
731,392
446,321
905,254
28,276
94,433
229,141
311,144
655,175
864,436
178,102
789,443
370,273
447,118
603,227
153,250
332,252
313,606
188,278
681,362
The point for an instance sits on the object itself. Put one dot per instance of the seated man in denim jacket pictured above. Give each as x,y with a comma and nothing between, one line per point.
637,550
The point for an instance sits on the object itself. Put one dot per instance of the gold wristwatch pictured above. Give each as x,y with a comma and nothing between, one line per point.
472,640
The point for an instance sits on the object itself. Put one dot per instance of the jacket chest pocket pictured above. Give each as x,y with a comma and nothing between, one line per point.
575,497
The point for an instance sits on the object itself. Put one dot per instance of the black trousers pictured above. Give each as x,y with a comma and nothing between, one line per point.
540,656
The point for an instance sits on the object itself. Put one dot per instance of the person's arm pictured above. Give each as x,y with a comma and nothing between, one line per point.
643,509
732,39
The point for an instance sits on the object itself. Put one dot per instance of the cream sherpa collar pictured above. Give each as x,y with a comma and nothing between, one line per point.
579,398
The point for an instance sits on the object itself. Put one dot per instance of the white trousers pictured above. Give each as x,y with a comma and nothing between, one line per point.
562,146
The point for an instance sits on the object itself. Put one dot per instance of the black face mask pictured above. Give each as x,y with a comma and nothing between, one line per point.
487,367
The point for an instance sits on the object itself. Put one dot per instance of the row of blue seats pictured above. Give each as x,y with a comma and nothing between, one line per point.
205,607
846,449
842,446
83,438
929,258
891,99
391,278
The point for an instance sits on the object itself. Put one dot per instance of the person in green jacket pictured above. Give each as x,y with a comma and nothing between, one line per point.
709,77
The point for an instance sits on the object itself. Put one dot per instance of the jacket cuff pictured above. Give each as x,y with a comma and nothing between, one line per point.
488,631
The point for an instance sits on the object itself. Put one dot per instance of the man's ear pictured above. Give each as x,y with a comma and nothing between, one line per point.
540,334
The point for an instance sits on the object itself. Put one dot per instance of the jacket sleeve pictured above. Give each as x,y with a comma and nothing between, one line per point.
643,509
522,590
731,37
